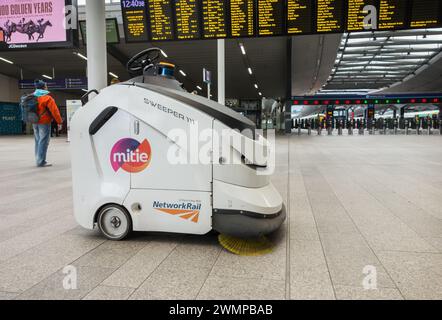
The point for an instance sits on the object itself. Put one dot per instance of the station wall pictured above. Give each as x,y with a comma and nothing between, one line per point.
9,91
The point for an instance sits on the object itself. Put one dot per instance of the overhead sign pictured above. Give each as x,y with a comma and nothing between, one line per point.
134,20
366,100
162,20
112,32
26,24
57,84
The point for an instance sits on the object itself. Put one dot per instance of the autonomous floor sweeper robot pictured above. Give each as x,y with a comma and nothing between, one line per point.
127,175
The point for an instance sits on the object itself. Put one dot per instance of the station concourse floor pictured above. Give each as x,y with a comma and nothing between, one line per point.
353,201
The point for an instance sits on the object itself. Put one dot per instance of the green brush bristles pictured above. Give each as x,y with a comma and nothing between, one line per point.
246,247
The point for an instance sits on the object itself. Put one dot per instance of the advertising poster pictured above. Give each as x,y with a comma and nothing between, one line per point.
25,23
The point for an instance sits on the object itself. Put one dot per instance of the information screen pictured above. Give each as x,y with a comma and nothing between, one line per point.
356,14
214,14
134,19
426,14
187,19
160,20
163,20
330,16
28,24
242,18
299,13
392,14
112,33
271,17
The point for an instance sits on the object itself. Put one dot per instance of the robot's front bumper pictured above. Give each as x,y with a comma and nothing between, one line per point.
244,224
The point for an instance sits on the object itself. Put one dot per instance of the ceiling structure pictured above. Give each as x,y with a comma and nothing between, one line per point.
313,58
383,60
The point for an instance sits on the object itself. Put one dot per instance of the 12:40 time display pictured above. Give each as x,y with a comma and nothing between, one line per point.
132,3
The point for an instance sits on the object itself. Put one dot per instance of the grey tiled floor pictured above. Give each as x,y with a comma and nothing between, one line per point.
352,201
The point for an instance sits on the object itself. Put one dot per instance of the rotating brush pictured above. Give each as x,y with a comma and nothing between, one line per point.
246,247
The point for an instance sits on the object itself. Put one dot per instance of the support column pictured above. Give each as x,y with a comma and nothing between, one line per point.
96,44
221,71
288,96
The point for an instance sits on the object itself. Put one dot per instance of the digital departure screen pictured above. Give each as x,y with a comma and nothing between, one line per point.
392,14
270,17
242,18
134,20
426,14
356,14
163,20
160,19
299,13
330,17
187,15
214,19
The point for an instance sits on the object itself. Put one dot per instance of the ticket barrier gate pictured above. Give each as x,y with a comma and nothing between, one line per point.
350,125
329,127
395,126
370,126
340,125
361,127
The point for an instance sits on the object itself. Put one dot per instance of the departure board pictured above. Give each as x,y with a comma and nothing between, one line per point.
164,20
299,13
392,14
214,15
187,19
270,17
330,17
134,20
426,14
242,18
160,19
356,14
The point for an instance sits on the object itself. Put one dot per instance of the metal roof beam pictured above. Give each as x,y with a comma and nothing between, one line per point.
398,33
386,51
382,58
389,43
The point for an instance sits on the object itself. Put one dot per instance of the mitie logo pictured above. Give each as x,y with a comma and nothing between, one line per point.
185,210
130,155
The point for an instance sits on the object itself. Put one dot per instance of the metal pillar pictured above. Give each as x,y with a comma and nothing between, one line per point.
221,53
96,44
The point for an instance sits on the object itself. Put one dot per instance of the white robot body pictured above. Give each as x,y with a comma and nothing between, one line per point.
121,145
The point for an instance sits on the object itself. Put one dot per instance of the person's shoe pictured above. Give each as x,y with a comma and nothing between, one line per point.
45,165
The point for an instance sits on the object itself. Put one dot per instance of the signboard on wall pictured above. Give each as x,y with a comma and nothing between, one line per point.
162,20
56,84
31,24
